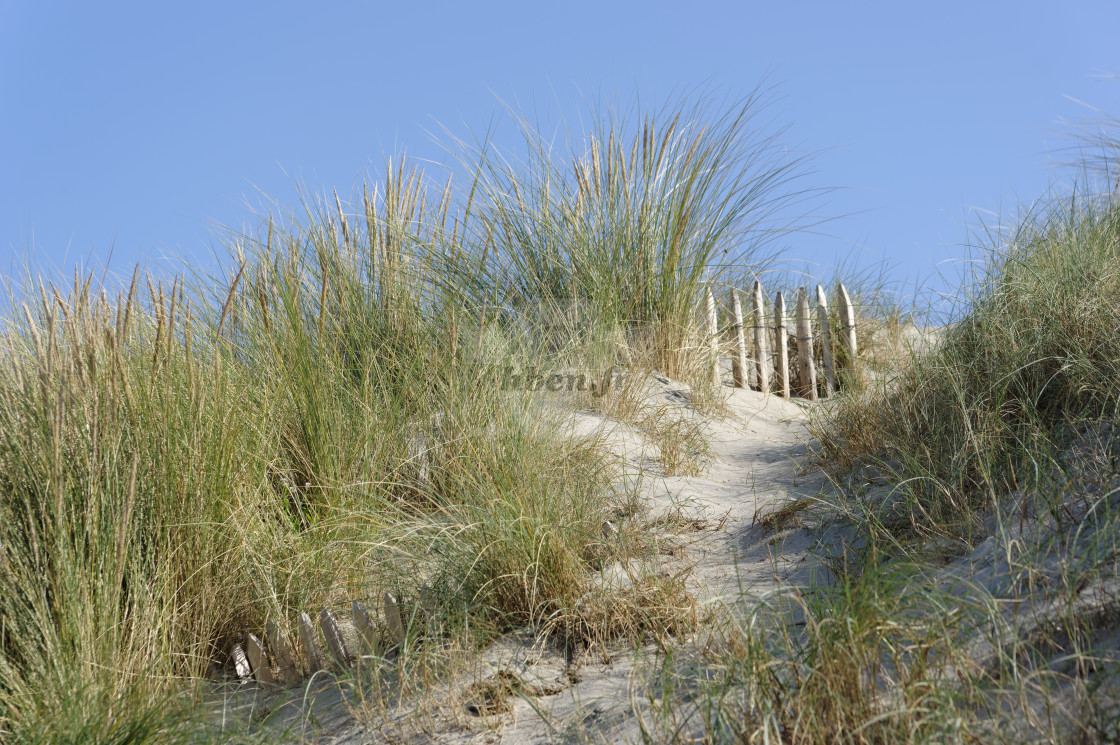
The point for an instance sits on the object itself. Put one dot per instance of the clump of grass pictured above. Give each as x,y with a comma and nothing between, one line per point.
110,525
1035,349
634,215
682,441
857,663
176,469
654,606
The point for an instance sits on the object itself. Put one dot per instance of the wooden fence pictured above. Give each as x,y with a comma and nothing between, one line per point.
762,359
346,645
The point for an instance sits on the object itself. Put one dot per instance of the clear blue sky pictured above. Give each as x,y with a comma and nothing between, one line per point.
134,127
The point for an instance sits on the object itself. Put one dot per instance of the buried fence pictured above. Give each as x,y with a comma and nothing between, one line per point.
347,644
774,345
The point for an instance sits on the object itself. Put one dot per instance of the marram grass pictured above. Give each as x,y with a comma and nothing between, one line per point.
319,422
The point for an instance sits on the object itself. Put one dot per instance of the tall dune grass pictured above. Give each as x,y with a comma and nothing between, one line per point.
634,212
1003,430
1036,350
174,471
321,421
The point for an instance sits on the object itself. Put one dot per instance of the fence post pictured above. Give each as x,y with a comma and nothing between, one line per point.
281,653
761,347
310,646
805,346
240,662
365,629
848,327
258,660
782,339
335,643
393,617
739,354
713,336
826,344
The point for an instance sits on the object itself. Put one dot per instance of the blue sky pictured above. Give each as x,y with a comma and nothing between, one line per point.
134,128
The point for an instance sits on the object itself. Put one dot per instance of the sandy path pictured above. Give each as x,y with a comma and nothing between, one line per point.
753,471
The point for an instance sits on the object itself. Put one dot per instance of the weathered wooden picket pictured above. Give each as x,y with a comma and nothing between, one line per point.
278,666
767,350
